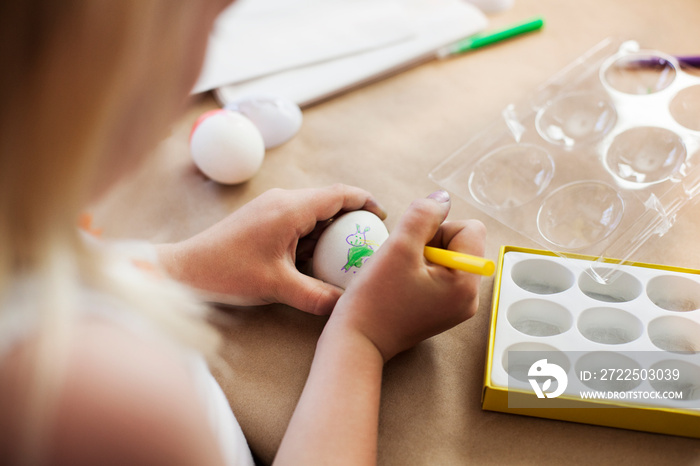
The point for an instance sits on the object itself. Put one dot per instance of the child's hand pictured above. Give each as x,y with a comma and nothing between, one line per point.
401,298
249,257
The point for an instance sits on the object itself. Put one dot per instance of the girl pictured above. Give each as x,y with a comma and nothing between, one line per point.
100,355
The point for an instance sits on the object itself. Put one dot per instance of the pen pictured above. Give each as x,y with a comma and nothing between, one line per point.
688,61
481,40
692,61
459,261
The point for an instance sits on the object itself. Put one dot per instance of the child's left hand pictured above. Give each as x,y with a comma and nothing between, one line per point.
249,257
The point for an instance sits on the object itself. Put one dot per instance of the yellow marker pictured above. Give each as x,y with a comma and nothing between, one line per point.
459,261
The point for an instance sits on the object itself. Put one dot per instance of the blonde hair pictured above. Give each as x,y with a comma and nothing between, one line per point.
85,86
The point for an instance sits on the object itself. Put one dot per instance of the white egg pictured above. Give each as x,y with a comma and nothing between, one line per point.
226,146
277,119
346,245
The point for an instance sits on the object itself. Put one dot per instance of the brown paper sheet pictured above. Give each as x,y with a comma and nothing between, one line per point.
387,137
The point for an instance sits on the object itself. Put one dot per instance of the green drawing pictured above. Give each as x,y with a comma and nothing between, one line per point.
359,249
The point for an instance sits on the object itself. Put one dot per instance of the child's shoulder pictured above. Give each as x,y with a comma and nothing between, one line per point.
121,397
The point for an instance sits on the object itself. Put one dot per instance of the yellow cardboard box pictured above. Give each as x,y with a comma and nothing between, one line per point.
676,420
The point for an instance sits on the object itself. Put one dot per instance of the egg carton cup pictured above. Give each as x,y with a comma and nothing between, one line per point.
601,158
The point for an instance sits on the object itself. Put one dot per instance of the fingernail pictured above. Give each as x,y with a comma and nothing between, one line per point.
440,196
373,204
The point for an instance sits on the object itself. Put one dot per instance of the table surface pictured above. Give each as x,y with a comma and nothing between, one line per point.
397,130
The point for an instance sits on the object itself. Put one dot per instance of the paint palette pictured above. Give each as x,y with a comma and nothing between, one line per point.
599,160
632,339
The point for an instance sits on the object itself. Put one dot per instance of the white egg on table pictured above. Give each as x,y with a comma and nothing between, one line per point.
226,146
346,245
278,119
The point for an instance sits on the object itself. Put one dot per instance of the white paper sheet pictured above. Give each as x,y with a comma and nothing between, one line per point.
395,35
261,37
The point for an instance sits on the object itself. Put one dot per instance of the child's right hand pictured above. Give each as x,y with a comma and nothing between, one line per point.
400,298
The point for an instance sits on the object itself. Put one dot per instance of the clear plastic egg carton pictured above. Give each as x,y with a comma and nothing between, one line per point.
640,333
600,159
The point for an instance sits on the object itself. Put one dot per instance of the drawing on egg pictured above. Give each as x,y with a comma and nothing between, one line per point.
360,249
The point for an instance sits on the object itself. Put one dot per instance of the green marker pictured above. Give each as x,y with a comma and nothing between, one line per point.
481,40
